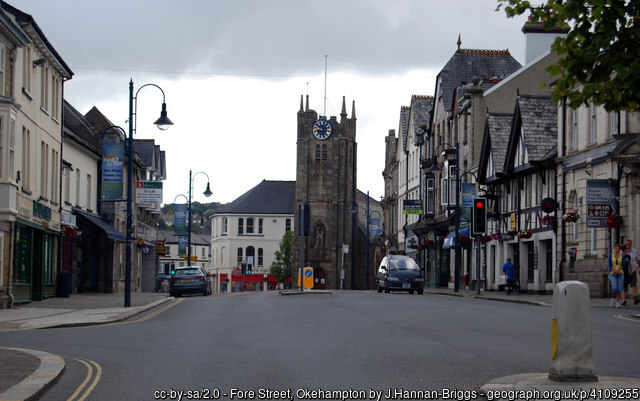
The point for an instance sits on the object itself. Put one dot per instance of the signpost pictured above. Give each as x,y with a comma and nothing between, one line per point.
601,201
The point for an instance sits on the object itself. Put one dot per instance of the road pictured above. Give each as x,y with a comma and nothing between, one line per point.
343,341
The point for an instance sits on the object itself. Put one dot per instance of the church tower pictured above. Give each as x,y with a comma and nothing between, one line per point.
326,182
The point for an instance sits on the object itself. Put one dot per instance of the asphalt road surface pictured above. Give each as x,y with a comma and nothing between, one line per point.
226,346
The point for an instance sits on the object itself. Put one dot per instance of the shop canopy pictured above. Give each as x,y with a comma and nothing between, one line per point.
450,240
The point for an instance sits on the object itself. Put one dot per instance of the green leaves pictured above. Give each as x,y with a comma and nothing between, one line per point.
599,57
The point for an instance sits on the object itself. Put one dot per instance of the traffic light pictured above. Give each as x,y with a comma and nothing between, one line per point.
173,269
249,268
479,216
244,268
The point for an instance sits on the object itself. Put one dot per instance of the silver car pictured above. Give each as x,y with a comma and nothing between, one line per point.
190,279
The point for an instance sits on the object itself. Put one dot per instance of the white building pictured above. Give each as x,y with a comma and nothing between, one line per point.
249,230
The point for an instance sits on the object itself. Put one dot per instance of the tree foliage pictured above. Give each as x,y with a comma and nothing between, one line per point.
283,262
599,59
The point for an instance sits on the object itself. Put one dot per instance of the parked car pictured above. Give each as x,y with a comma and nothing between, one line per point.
190,279
399,273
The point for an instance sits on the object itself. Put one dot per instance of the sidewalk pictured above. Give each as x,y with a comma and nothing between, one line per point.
25,373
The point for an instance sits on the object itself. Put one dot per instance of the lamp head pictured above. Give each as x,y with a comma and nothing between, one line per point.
163,122
207,192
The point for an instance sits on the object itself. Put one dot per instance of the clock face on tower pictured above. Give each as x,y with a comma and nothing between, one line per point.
322,129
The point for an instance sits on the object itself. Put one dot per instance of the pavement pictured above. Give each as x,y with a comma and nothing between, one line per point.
25,374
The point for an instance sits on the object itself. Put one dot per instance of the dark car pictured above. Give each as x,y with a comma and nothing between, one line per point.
399,273
189,280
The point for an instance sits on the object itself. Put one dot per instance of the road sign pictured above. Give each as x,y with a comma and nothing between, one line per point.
308,277
412,206
601,201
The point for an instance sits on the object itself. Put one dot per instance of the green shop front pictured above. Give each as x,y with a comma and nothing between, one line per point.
35,252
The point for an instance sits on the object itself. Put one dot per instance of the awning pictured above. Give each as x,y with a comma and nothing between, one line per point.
450,240
108,229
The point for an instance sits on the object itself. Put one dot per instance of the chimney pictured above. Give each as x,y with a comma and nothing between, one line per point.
538,40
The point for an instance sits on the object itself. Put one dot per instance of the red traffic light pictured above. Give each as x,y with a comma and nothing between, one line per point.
479,204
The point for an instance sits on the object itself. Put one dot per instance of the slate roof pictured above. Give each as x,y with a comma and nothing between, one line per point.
196,239
146,151
404,124
268,197
79,129
499,126
539,116
468,63
420,108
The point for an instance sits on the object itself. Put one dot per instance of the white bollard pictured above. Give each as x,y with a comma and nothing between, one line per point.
572,358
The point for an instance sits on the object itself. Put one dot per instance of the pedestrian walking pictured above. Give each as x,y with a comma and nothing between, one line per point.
616,275
510,271
633,270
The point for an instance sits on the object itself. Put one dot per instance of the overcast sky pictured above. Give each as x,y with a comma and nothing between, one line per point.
233,72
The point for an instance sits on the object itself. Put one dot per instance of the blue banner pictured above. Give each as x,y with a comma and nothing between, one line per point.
112,170
468,193
180,219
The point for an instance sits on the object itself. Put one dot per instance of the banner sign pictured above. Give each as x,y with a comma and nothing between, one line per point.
374,230
412,206
148,192
180,219
468,193
182,246
112,170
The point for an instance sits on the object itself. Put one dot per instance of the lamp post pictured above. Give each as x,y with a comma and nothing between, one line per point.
434,167
206,193
163,124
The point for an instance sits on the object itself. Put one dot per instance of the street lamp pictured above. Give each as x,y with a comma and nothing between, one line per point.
163,124
434,167
206,193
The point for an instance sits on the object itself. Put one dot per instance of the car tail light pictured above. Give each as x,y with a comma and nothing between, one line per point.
199,278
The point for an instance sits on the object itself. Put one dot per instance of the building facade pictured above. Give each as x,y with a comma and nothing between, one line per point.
32,78
248,231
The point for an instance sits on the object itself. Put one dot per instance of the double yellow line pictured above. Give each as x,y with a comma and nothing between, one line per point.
90,375
94,370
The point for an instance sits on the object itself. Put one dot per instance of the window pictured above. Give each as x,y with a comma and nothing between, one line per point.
259,226
251,254
260,257
250,225
317,153
78,179
319,235
88,187
26,71
574,129
2,55
613,123
55,164
26,157
444,191
203,250
431,196
287,224
593,127
324,153
240,226
44,88
44,166
12,142
55,101
168,250
224,226
239,256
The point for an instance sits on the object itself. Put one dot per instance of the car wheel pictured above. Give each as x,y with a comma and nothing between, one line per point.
410,291
420,291
379,288
386,289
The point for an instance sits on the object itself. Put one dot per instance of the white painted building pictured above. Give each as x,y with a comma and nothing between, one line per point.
249,230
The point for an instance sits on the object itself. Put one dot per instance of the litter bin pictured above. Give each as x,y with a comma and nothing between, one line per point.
64,285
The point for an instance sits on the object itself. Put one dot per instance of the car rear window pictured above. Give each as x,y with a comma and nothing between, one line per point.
187,272
403,264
